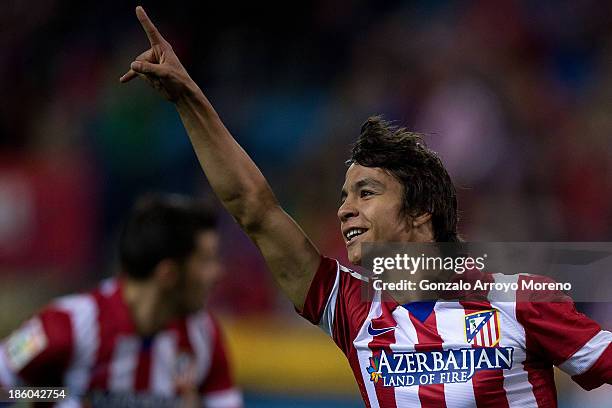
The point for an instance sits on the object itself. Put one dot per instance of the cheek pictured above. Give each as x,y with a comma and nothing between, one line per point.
388,222
206,275
382,212
194,279
199,278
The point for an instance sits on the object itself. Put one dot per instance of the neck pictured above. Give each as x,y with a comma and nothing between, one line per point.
418,274
417,295
148,306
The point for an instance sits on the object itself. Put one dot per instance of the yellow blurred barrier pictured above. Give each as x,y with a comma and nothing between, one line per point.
282,355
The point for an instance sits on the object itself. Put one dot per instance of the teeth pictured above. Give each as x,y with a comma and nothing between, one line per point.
353,232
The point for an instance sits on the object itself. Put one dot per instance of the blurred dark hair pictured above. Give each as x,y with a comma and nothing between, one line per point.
427,185
161,227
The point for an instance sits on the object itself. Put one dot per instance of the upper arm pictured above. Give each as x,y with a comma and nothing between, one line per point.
290,255
336,302
571,340
38,352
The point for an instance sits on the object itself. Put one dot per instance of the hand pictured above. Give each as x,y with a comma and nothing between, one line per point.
186,386
159,65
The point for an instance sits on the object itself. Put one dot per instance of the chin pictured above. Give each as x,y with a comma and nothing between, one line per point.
354,257
192,308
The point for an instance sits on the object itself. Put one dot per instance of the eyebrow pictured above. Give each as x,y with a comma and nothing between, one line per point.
365,182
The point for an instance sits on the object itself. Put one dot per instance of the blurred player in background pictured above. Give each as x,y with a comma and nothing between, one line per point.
144,337
396,190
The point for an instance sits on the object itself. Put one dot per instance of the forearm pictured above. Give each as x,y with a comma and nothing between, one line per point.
234,177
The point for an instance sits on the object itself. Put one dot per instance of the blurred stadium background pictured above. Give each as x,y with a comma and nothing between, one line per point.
516,96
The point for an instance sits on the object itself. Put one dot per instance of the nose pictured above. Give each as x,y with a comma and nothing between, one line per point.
347,210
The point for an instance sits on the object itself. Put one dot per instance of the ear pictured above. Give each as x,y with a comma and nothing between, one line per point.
421,220
422,229
166,274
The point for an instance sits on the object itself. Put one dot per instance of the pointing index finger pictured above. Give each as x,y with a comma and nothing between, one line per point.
154,36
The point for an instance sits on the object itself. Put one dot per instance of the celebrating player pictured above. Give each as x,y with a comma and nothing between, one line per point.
491,352
142,339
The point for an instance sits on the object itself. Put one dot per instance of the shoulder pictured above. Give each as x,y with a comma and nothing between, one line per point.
342,279
520,287
203,330
82,309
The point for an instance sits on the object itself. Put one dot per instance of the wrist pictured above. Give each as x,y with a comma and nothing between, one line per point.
192,98
189,94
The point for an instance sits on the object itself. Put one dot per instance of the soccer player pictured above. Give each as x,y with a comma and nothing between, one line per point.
414,354
144,337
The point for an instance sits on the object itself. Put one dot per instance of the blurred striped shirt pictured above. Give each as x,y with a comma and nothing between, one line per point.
88,343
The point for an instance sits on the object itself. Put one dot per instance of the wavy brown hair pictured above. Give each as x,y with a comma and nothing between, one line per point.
426,183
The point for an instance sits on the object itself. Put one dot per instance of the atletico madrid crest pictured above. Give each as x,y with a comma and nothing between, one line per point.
482,328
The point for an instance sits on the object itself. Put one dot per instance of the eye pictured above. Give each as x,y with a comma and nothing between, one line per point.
366,193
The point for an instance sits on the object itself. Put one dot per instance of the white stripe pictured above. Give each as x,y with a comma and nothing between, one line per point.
108,286
494,333
502,295
200,332
353,273
364,353
519,391
406,336
123,364
583,359
231,398
450,320
163,363
7,377
485,335
327,318
69,402
83,312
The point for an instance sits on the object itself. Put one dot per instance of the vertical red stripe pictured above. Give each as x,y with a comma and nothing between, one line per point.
99,376
431,396
143,370
349,318
540,377
183,341
488,384
114,319
59,349
385,395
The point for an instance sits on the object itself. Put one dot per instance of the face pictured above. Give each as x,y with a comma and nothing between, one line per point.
371,201
202,269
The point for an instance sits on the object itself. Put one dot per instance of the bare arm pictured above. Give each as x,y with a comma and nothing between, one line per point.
235,179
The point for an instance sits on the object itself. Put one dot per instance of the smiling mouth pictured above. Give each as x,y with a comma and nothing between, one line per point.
352,234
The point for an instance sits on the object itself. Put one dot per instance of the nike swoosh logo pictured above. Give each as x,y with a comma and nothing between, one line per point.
377,332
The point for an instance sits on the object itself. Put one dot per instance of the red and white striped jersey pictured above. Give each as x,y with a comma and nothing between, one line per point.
488,351
88,343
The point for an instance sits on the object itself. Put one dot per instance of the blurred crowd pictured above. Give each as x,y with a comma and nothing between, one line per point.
515,96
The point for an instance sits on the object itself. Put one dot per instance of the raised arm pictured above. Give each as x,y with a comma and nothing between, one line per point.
235,179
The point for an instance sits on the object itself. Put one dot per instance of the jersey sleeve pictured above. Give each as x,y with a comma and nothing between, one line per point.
38,352
218,389
335,302
572,341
